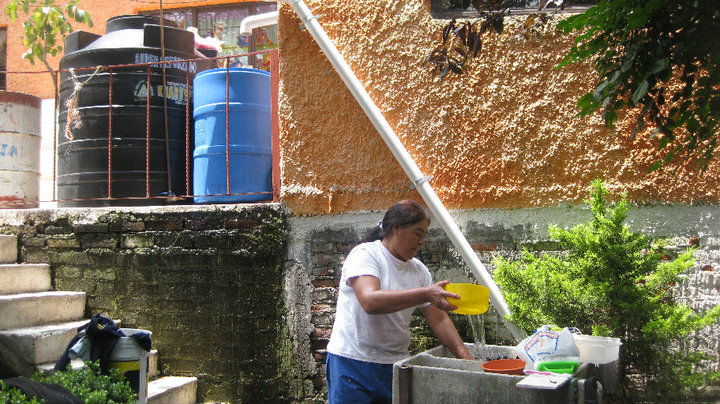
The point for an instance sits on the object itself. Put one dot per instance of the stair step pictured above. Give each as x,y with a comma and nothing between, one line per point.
153,364
30,309
8,249
152,370
47,368
29,347
173,390
24,278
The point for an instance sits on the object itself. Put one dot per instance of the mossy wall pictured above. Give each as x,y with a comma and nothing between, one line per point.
207,281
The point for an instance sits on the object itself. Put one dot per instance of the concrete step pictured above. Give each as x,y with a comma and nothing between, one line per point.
24,349
24,278
31,309
8,249
173,390
47,368
153,364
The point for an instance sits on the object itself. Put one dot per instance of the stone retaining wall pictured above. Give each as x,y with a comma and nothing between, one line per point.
206,281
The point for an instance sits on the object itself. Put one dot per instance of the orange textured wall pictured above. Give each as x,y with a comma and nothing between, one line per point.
39,83
503,135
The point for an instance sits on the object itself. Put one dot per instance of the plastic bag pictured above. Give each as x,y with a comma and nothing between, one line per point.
549,343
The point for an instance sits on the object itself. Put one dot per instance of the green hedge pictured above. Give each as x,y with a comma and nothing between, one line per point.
88,384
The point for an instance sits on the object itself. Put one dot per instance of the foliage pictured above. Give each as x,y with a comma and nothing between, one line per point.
422,337
463,40
46,26
88,384
11,395
616,283
660,58
91,386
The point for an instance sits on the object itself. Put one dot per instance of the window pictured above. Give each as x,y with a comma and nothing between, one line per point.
3,58
465,8
223,23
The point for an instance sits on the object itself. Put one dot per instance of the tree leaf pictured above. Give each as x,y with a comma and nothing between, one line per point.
692,124
655,166
658,66
461,33
444,71
610,117
456,68
640,91
476,45
498,24
529,21
448,29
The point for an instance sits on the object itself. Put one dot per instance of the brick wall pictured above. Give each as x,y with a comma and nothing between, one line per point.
318,246
207,281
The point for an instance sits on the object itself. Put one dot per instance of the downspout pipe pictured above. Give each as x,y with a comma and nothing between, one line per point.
420,181
259,20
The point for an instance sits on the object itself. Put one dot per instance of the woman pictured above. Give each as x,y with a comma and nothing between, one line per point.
381,285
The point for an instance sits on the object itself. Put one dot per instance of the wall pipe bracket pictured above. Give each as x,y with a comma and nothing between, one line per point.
420,181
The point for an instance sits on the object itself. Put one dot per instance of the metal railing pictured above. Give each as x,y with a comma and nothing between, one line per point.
172,196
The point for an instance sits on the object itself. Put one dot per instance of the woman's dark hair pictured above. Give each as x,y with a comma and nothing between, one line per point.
401,214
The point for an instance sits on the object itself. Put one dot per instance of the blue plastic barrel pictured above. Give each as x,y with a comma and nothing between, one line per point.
248,140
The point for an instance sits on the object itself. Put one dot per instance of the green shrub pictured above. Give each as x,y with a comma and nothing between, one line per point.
612,282
11,395
88,384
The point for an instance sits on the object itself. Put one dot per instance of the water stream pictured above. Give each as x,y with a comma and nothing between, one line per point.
477,324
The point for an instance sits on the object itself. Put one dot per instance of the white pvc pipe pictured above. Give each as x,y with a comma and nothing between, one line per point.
408,164
258,20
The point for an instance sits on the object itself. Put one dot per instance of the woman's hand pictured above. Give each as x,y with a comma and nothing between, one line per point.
437,296
375,300
445,331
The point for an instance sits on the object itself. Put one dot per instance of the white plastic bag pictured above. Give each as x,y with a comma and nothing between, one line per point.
549,343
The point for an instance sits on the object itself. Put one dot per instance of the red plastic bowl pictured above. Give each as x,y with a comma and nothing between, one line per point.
505,366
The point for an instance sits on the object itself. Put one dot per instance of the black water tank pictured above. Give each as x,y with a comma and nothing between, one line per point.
84,152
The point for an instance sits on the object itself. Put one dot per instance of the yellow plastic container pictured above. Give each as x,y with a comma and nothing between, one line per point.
474,299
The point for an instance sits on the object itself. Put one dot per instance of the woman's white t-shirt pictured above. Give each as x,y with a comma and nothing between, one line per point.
378,338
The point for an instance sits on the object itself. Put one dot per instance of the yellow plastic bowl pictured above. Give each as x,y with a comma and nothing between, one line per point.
474,299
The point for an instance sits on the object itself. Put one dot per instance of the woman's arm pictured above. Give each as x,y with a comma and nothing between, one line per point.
444,329
375,300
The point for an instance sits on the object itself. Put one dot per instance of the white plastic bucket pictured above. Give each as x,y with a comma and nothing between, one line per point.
19,150
132,362
600,350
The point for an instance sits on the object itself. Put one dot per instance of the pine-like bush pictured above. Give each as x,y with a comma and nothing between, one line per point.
613,282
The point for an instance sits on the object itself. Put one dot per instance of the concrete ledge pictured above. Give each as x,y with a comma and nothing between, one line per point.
173,390
152,369
47,368
24,278
8,249
27,348
31,309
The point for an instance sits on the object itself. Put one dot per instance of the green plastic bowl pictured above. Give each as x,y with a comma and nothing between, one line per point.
558,366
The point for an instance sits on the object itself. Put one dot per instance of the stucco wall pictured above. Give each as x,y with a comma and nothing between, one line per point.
502,135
